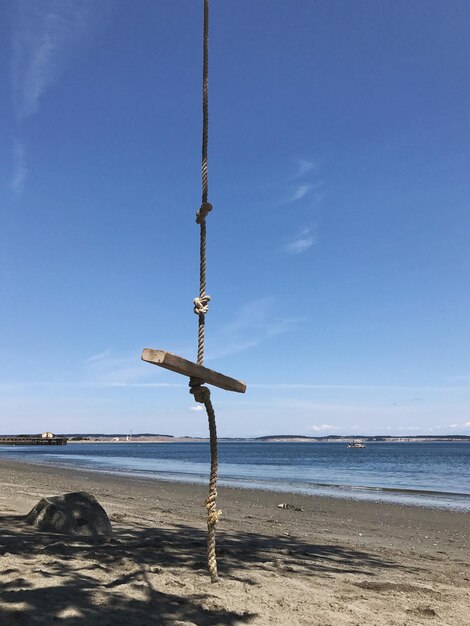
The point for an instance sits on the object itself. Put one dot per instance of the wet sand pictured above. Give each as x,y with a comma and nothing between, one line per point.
335,562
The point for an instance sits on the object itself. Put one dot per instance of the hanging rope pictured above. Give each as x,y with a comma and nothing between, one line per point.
201,304
203,395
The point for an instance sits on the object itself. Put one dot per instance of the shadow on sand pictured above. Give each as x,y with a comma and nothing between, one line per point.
91,574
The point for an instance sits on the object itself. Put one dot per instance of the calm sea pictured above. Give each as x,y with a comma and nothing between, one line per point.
429,474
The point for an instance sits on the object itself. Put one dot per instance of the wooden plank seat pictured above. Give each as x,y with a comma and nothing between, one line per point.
182,366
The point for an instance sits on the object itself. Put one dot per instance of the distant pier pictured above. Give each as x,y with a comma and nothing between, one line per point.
32,440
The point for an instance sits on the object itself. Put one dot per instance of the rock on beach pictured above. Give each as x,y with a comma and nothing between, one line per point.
76,513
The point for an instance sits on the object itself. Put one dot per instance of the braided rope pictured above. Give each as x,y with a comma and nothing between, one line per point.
201,304
205,102
203,395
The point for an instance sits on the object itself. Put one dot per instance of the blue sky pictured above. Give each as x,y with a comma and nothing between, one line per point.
339,243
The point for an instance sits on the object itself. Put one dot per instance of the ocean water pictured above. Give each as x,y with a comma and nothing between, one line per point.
427,474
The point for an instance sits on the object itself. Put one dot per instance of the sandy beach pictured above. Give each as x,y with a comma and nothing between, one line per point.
335,562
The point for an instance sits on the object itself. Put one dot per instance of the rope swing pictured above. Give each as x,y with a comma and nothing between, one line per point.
201,304
198,374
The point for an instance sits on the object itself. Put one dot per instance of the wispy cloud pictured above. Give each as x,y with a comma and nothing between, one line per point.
456,425
453,426
100,356
46,35
312,191
198,407
311,186
255,323
296,386
323,427
304,166
106,369
303,186
301,243
131,385
300,192
20,168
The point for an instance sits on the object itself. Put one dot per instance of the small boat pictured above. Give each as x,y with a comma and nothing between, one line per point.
356,444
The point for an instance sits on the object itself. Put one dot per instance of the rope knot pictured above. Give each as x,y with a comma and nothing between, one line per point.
201,304
205,209
213,517
201,394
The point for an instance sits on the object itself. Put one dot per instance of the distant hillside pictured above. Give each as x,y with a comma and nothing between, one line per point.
118,435
364,438
267,438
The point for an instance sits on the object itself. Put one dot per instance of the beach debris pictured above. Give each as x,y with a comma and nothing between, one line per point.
291,507
76,513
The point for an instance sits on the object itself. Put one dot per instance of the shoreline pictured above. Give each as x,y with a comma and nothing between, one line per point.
412,497
369,440
194,494
335,562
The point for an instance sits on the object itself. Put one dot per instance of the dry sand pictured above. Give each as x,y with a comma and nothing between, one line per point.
336,562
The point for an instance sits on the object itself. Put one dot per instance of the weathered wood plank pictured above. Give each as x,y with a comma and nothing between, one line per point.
177,364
